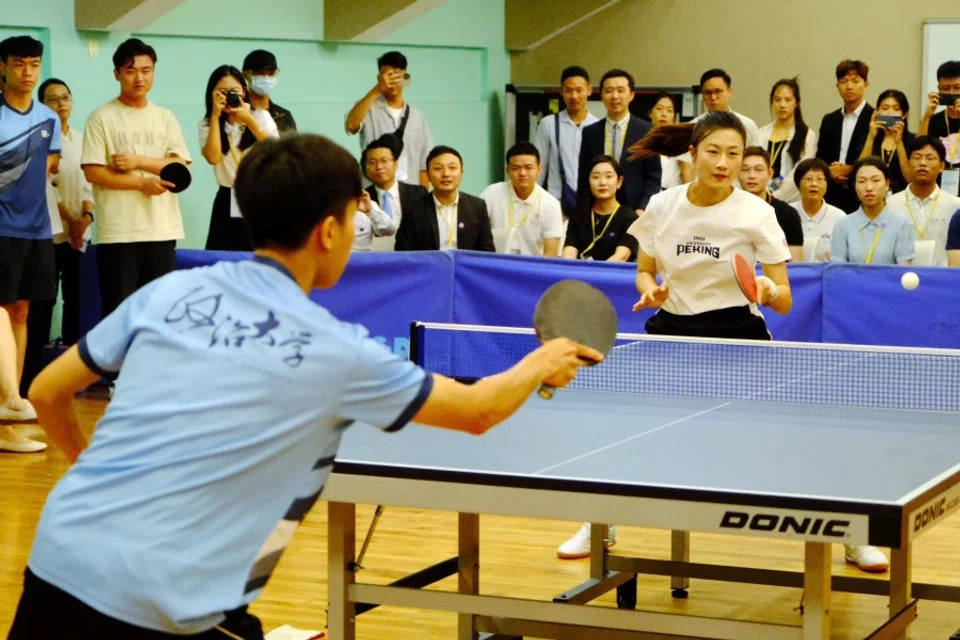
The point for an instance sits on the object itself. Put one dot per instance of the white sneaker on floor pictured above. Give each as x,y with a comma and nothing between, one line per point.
15,442
578,546
866,558
26,414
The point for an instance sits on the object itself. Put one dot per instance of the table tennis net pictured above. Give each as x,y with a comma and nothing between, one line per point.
830,375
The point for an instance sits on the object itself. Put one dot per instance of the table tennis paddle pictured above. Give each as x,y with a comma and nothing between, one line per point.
746,277
579,312
177,174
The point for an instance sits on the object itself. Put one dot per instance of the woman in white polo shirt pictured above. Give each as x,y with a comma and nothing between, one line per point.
817,217
237,128
689,233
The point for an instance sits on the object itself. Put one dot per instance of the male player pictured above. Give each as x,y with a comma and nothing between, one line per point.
233,392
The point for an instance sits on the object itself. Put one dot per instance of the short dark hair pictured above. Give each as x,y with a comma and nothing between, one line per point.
386,141
393,59
618,73
716,73
858,66
811,164
523,149
47,84
21,47
285,187
757,152
927,141
130,49
574,72
870,161
439,150
949,69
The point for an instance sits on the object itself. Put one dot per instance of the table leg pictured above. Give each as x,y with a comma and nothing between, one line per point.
468,552
816,585
341,555
680,552
901,577
598,555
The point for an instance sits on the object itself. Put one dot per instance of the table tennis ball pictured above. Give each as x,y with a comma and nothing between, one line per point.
910,281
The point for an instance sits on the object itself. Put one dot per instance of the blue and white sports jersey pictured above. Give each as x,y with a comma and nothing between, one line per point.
234,391
26,139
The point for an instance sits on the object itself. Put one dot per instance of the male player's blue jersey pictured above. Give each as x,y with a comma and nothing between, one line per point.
234,391
26,139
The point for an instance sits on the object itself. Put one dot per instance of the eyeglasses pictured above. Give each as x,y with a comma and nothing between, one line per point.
66,99
382,162
814,180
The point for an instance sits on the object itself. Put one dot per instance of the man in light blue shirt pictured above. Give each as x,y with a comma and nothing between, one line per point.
233,392
873,234
558,138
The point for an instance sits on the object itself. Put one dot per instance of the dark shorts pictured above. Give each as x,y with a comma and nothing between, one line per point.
48,612
736,323
27,270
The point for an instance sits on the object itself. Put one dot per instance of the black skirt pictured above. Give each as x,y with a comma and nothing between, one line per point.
736,323
227,233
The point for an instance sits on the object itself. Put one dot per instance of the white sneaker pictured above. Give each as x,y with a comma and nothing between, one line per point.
25,414
866,558
578,546
15,442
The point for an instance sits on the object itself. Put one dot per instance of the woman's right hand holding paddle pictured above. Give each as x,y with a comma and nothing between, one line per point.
654,298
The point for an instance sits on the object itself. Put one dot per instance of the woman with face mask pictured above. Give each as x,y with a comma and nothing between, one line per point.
228,129
598,230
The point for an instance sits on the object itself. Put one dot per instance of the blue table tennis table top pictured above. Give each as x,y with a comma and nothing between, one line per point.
846,454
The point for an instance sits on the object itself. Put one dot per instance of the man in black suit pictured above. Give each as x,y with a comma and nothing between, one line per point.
613,136
379,163
844,132
446,218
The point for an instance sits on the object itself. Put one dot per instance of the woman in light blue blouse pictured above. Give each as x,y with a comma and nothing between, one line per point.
872,234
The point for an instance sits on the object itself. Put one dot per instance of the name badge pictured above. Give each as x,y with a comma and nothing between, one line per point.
950,181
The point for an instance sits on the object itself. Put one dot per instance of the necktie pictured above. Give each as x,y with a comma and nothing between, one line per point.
388,203
616,141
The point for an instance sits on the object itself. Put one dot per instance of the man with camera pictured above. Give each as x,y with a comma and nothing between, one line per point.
945,125
383,110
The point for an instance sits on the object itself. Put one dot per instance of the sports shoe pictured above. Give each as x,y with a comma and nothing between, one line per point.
25,414
578,546
866,558
15,442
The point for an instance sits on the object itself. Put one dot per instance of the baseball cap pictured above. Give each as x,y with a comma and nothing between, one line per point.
259,60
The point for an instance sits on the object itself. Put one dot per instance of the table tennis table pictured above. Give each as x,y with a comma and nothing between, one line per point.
822,444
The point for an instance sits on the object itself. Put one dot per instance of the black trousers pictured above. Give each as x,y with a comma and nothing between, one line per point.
41,314
227,233
47,613
127,266
736,323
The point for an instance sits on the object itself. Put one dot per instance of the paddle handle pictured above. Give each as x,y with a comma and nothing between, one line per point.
546,391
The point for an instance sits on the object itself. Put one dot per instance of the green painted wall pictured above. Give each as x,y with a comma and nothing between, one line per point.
456,54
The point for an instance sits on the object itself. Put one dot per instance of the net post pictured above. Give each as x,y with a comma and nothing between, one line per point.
416,342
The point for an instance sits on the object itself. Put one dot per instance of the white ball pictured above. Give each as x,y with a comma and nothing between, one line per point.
910,281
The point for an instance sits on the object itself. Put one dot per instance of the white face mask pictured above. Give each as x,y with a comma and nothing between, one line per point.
263,85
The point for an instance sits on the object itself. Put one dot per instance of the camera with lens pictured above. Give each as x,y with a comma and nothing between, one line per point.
234,99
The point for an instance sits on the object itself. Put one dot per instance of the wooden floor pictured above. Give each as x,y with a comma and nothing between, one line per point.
517,557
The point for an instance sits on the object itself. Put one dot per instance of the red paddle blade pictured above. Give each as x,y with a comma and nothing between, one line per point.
746,276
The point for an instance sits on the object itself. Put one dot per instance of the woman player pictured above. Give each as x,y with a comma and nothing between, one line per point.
688,235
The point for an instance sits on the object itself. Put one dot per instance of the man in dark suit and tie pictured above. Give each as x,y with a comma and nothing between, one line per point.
446,218
613,136
844,132
379,163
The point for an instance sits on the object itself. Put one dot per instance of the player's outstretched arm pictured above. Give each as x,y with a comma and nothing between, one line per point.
52,394
479,407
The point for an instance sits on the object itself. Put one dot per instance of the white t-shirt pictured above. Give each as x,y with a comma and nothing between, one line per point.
126,215
670,173
930,217
226,170
819,226
71,185
530,221
693,246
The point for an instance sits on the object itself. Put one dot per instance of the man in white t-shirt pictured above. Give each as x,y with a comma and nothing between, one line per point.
929,207
524,214
126,144
384,110
716,86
